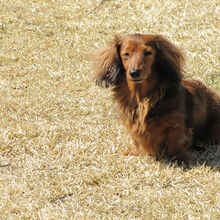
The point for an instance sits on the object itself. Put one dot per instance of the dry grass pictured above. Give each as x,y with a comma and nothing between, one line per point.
61,142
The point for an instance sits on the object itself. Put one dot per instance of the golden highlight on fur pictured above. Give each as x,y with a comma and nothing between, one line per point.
164,114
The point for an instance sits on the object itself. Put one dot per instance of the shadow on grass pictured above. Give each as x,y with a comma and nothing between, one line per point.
199,155
205,155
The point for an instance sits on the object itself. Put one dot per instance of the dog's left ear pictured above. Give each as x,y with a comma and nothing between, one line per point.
108,66
169,60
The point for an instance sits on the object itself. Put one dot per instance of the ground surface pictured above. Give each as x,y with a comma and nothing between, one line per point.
61,142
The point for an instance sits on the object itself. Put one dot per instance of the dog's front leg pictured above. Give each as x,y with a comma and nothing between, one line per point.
135,151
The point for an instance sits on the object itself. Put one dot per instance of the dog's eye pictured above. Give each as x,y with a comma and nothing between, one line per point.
126,55
147,53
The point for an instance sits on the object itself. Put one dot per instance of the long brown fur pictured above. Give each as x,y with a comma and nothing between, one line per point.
164,114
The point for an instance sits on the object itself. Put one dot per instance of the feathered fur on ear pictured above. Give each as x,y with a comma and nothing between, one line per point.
169,60
108,66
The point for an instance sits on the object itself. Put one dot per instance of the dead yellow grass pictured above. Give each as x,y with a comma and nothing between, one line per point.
61,142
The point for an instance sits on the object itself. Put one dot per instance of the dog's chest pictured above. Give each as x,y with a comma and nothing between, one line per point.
136,119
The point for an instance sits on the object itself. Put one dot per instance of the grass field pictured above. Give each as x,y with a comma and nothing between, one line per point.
61,142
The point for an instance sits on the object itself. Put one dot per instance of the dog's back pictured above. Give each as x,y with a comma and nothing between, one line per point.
205,111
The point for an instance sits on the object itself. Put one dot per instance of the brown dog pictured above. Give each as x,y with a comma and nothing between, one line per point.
164,114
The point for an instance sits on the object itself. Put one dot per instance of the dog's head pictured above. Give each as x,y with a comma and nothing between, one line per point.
137,58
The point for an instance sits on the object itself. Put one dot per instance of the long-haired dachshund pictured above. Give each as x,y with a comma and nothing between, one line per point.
164,114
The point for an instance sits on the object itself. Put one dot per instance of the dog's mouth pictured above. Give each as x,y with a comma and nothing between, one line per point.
138,81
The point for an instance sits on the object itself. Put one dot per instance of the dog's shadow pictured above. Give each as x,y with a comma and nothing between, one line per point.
205,156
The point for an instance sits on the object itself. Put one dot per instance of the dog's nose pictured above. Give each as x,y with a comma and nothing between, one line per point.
135,73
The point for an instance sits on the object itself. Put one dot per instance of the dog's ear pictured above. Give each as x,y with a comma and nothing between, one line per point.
108,65
169,60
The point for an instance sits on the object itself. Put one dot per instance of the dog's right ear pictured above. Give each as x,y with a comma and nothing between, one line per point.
108,66
169,60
